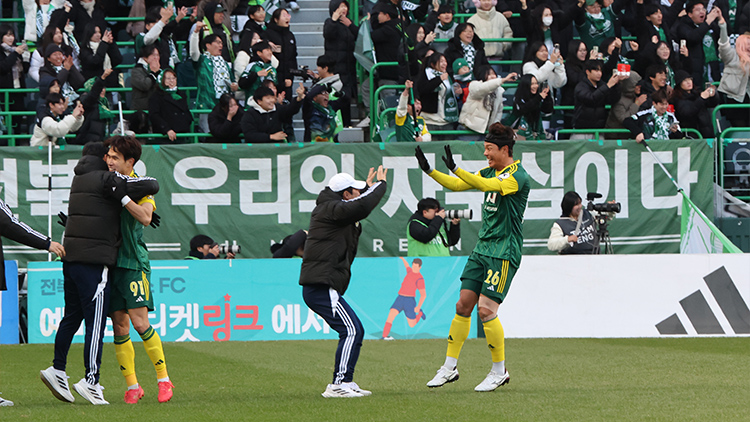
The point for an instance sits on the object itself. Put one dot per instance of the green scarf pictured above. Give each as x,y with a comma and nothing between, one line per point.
333,127
670,74
661,125
173,93
226,32
709,48
450,104
105,113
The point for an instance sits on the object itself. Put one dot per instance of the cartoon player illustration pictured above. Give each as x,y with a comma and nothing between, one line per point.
406,300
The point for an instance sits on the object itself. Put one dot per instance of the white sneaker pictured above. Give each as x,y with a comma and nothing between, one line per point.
4,402
294,6
354,387
444,376
364,123
338,390
388,338
57,382
492,381
92,393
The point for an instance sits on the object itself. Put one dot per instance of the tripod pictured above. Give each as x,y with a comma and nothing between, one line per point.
602,236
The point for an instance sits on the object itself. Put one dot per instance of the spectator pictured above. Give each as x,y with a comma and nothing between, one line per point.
467,44
691,104
244,56
99,52
340,37
701,33
629,103
293,246
734,82
742,23
419,43
654,123
225,121
441,22
262,122
544,25
340,99
596,21
213,23
406,130
83,12
574,73
654,80
213,73
489,23
256,24
428,232
591,95
530,102
159,29
278,32
663,55
97,112
435,88
651,28
14,63
386,39
60,67
544,66
463,77
52,35
321,122
144,78
54,123
168,109
259,70
37,16
614,54
203,247
484,102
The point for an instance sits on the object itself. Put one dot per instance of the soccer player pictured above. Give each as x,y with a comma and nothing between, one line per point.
131,297
326,267
406,300
497,254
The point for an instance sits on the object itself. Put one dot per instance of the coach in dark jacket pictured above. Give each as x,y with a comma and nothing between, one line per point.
263,119
326,267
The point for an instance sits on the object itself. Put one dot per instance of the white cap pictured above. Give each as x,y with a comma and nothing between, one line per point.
343,181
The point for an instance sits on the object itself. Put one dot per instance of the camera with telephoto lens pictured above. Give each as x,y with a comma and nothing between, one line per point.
301,72
602,207
225,247
467,214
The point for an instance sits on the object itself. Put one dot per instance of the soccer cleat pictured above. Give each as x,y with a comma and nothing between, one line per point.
294,6
353,386
57,382
339,391
165,391
4,402
492,381
92,393
132,396
444,376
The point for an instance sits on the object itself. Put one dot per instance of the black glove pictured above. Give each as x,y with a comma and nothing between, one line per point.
155,220
423,163
116,187
448,159
63,219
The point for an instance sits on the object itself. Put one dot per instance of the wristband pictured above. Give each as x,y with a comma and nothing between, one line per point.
125,200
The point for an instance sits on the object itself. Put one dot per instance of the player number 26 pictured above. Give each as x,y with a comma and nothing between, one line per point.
493,277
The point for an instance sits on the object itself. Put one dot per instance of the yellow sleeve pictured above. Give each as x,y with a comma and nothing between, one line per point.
450,182
504,185
400,120
148,199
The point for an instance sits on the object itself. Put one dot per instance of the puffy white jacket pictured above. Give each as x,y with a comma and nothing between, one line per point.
492,24
473,114
734,79
554,75
51,129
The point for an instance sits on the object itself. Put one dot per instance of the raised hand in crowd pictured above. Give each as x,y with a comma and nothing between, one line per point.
107,37
78,111
512,76
544,92
713,15
721,15
166,13
182,12
429,38
199,26
22,48
106,73
300,92
68,62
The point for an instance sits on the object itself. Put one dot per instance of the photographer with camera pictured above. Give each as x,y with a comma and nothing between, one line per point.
574,232
428,233
203,247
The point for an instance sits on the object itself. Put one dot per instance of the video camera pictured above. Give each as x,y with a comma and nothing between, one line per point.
302,73
601,207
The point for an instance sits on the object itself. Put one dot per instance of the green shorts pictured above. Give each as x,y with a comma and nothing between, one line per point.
130,289
488,276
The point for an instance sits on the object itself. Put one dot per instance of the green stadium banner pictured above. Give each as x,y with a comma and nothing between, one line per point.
258,194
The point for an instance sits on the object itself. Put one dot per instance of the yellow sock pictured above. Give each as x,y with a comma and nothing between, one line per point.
152,344
457,335
126,358
493,331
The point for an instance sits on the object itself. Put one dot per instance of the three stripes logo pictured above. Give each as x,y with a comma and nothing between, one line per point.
701,315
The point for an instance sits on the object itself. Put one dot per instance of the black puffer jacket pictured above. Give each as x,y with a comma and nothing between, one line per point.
456,51
15,230
284,38
339,43
92,232
589,104
333,236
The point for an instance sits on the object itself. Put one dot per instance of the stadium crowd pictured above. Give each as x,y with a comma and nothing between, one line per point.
648,67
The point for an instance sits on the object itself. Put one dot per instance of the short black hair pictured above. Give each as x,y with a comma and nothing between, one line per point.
590,65
146,50
692,3
153,15
262,91
660,96
428,204
652,70
260,46
97,149
650,8
253,8
208,39
445,8
53,98
326,61
570,200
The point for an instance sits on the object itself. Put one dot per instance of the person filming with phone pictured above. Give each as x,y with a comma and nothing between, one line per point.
428,231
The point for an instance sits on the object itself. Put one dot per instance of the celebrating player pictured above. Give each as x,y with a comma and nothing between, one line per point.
497,254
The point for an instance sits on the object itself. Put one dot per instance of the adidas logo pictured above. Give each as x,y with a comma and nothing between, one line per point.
491,288
140,299
700,314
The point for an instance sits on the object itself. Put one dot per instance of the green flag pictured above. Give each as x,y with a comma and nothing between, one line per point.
699,234
364,50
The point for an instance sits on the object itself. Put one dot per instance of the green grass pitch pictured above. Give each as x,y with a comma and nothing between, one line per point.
676,379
